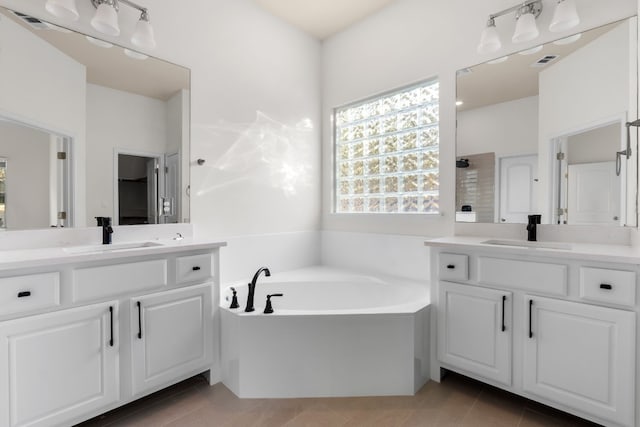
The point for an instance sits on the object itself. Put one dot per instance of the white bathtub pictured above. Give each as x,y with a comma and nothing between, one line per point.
334,333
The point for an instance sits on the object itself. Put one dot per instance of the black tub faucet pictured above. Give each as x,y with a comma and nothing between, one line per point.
252,287
268,308
107,230
534,220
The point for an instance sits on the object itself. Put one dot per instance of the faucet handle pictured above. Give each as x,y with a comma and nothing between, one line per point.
234,299
268,309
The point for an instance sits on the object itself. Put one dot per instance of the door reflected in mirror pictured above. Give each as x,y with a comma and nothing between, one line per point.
540,130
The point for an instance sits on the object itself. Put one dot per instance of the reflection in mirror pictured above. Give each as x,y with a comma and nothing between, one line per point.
3,192
540,130
69,105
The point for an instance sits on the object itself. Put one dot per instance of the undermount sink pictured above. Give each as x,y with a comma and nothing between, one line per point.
111,247
525,244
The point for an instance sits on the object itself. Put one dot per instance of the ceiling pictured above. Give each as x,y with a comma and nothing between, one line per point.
322,18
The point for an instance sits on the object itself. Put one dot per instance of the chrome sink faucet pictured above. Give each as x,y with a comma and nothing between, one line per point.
252,287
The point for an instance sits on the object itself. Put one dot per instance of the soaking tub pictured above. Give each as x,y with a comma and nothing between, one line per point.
333,333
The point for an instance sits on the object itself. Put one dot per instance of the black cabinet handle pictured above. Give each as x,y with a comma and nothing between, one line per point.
111,323
530,311
24,294
451,266
139,319
606,286
504,300
196,268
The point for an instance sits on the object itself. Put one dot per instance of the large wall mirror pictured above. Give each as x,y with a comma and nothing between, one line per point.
539,132
88,129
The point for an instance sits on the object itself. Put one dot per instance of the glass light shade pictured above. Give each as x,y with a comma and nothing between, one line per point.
65,9
106,20
526,28
143,36
489,40
531,51
565,16
98,42
135,55
498,60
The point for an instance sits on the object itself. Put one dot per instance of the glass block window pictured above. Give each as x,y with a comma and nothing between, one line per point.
387,153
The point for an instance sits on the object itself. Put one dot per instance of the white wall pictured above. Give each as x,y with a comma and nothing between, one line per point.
506,129
27,183
409,41
115,120
29,66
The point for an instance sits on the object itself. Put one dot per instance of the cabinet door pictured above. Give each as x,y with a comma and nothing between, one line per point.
581,356
58,366
171,335
474,330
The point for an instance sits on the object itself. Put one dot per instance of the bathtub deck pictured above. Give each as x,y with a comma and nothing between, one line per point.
456,401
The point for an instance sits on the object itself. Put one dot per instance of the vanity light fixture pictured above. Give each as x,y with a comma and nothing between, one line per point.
105,19
565,17
526,28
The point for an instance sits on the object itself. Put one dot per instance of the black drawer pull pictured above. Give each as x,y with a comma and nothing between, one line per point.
606,286
196,268
24,294
139,320
504,300
451,266
111,325
530,320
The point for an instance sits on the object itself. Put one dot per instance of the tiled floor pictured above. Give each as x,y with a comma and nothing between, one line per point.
457,401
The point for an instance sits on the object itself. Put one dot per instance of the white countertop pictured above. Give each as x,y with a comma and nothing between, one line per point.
587,251
28,258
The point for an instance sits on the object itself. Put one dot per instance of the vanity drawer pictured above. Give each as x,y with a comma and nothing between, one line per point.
26,293
193,267
453,267
540,277
608,286
111,280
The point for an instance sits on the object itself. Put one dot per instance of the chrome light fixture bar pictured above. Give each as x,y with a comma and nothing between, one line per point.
565,17
105,19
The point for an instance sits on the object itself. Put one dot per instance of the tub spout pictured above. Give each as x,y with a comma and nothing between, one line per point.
252,287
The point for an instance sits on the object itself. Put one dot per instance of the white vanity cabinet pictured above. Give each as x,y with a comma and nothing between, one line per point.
582,356
60,365
553,326
87,336
474,330
171,335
